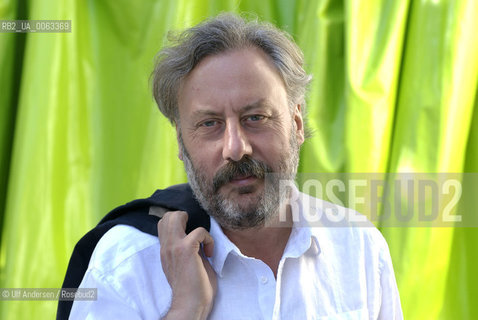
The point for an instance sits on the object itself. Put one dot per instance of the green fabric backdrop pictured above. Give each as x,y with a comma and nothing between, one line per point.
394,90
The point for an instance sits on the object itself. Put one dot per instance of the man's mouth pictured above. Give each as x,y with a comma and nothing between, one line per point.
243,179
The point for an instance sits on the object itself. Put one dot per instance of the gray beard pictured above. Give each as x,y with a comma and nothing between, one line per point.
234,214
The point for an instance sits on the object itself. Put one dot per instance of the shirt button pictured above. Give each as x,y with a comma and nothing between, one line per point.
263,280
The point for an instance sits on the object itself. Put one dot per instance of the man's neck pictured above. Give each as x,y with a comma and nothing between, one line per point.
266,243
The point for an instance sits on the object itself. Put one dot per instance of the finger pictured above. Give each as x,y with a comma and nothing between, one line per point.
173,223
201,236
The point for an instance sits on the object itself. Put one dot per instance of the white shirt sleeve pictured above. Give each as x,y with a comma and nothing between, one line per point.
390,305
110,302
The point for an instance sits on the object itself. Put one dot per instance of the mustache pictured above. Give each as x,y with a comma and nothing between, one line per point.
244,167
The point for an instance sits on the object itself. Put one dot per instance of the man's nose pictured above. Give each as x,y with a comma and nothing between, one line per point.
235,144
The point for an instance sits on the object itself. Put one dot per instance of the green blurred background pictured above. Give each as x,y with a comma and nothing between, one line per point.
394,90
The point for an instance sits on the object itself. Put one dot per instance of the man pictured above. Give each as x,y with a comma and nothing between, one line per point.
235,92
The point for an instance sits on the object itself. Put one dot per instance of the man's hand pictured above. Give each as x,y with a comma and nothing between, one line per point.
189,274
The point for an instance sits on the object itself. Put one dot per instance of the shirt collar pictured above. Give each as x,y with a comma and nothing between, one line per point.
301,240
222,247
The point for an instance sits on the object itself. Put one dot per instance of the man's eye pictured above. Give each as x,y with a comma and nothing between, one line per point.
255,117
209,123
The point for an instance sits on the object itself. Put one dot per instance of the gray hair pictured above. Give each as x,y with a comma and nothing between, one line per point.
222,33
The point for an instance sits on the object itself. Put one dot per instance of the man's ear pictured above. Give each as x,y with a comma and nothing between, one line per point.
178,139
299,124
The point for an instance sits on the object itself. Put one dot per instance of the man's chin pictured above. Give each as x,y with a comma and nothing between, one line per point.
249,195
242,197
246,190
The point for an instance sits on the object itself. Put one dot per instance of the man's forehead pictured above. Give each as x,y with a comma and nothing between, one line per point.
249,55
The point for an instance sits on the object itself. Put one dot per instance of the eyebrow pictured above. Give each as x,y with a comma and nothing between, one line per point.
261,103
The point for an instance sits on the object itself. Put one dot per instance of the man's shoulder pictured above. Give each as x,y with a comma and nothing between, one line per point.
119,244
125,268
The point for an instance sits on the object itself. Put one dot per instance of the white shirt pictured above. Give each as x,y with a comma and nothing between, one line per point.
324,273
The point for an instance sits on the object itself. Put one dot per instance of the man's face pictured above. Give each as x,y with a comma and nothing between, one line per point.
235,126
